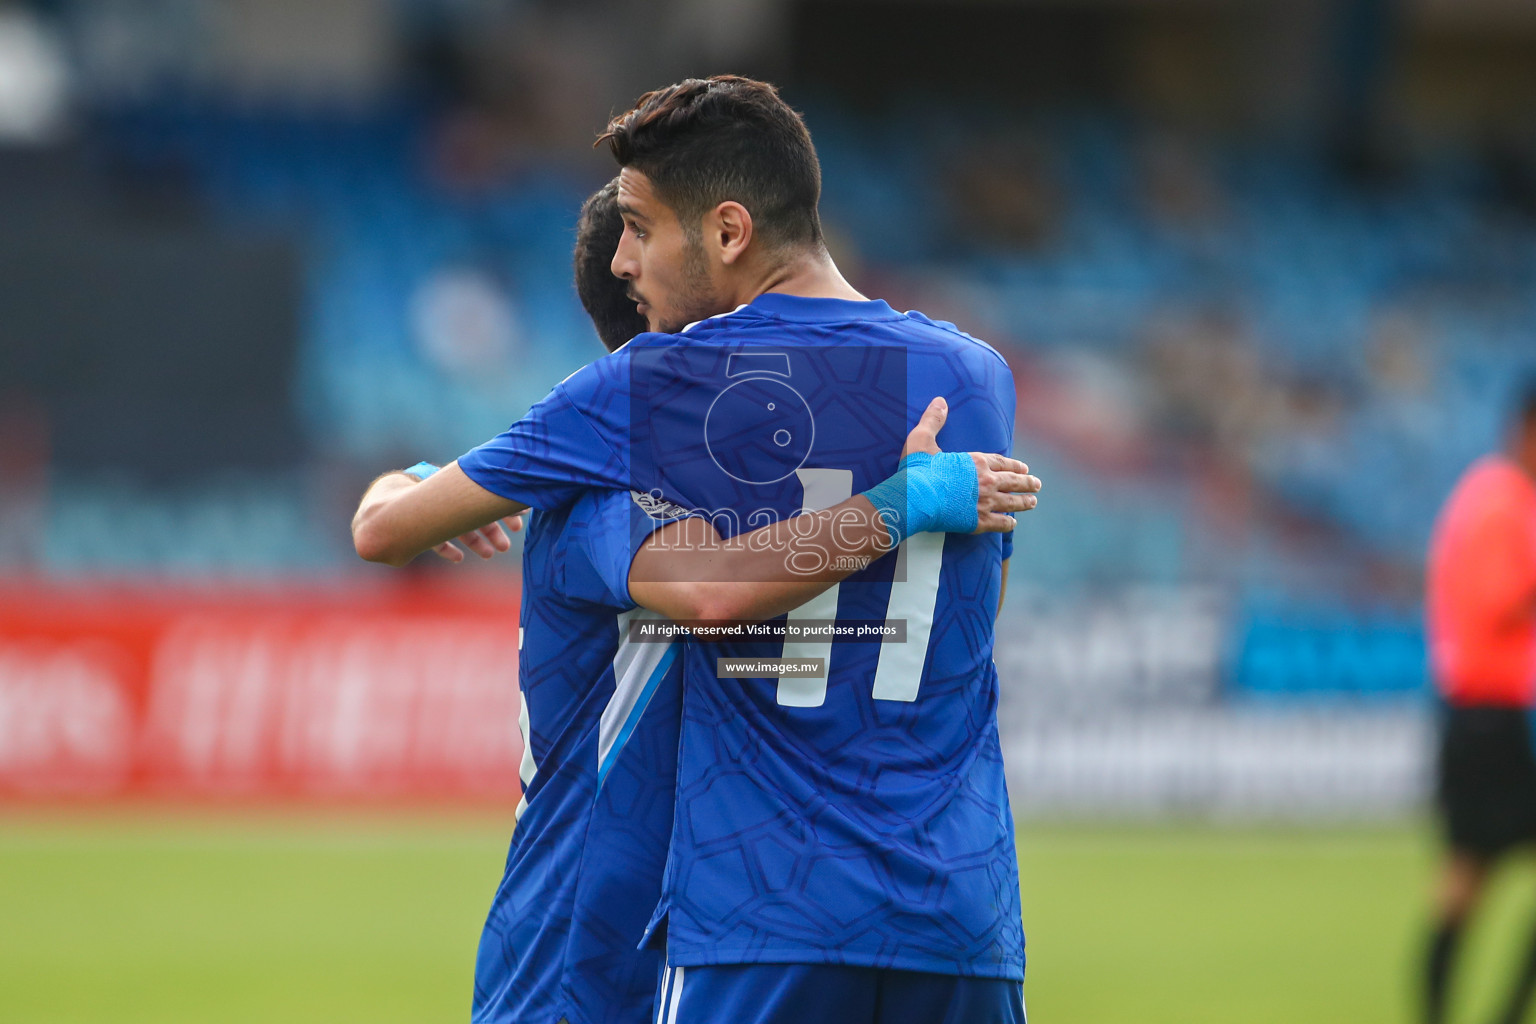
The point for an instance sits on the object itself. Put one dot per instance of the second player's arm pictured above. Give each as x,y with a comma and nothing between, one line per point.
687,571
400,517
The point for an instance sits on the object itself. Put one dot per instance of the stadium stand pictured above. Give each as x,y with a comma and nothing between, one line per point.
1232,358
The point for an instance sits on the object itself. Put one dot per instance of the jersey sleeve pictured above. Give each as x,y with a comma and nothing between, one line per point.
615,524
549,457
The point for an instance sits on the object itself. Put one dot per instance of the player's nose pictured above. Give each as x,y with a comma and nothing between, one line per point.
623,264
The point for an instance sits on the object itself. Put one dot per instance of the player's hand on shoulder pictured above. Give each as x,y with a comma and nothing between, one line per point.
1003,485
925,436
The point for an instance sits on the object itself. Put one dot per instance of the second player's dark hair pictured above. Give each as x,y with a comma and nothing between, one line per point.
602,295
706,141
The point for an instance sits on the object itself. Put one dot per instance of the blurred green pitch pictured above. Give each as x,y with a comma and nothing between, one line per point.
150,916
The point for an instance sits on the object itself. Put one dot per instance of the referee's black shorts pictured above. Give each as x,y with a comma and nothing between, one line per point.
1486,787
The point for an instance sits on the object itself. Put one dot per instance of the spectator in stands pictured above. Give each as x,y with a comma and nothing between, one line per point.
1005,192
1481,607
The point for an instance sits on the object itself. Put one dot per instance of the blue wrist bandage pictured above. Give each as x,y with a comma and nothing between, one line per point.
928,494
421,470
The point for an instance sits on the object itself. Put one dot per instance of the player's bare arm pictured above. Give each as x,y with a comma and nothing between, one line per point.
401,516
687,571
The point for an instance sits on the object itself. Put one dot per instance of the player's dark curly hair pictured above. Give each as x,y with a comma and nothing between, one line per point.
705,141
602,295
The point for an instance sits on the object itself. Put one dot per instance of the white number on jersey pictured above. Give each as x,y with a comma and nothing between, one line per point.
913,597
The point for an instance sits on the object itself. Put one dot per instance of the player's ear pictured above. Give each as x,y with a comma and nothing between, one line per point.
731,227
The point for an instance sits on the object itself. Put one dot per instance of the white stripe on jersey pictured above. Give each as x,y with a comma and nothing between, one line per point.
527,769
717,316
637,668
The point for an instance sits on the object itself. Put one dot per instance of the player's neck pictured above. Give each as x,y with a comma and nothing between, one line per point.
812,276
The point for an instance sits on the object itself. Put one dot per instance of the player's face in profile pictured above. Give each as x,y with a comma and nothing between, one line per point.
668,271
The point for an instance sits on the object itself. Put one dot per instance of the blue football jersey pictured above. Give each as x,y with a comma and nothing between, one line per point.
600,730
862,817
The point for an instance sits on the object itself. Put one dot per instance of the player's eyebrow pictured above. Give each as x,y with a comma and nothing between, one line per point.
629,211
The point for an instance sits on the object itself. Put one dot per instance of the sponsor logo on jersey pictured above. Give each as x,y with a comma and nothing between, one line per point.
657,507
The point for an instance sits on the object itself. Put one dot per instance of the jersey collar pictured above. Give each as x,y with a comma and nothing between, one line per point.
800,307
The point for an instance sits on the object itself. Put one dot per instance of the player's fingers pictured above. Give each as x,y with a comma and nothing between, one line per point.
1003,464
514,523
1016,483
497,536
1005,502
994,522
477,542
924,436
934,416
449,551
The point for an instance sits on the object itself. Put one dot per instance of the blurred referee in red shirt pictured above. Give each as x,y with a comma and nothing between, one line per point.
1481,608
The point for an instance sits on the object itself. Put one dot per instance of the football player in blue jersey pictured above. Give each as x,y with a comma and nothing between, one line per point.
843,846
583,873
584,865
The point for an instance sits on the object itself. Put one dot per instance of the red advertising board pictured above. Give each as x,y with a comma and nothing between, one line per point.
368,692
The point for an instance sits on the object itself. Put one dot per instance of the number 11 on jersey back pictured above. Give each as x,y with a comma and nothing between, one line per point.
913,597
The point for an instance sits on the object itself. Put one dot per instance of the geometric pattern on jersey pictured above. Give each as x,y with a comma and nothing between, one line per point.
867,823
861,819
600,721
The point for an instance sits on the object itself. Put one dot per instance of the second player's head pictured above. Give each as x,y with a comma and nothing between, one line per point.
603,296
719,184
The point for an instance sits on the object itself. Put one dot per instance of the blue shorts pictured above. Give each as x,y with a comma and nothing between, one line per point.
832,994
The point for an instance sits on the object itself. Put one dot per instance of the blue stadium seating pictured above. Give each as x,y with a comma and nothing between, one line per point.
1306,262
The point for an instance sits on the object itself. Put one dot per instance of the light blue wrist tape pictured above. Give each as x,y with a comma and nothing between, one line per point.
421,470
928,494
